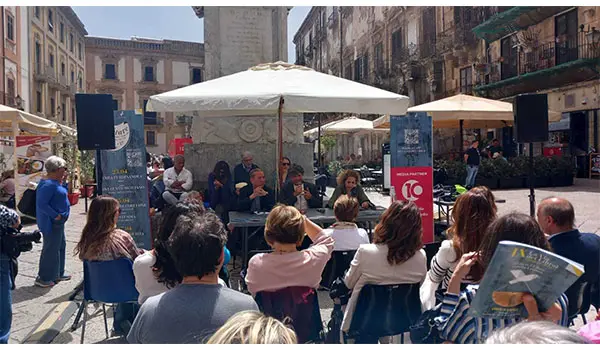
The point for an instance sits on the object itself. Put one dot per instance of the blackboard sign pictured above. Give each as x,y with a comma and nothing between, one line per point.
594,164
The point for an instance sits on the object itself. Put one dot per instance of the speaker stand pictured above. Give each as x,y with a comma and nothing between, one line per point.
531,183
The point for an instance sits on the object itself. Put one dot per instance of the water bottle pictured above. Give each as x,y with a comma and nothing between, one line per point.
392,194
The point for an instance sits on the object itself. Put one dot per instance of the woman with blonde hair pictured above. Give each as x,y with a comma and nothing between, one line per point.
473,212
253,327
349,184
395,257
101,240
286,266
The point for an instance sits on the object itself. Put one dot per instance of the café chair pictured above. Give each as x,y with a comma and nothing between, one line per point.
336,266
107,282
385,310
300,305
579,296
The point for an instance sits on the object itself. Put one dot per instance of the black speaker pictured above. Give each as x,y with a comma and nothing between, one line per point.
531,118
95,121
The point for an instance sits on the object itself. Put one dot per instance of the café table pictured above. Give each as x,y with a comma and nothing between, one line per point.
320,216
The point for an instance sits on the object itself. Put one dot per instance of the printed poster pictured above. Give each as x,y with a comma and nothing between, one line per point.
412,164
124,176
32,152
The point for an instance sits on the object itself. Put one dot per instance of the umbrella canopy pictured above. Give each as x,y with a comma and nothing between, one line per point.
29,122
476,112
346,125
258,90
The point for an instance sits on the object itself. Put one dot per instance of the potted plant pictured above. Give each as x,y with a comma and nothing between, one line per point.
562,171
88,168
455,170
335,168
67,149
488,174
541,171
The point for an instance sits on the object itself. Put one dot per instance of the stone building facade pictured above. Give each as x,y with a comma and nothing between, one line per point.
135,69
57,61
15,78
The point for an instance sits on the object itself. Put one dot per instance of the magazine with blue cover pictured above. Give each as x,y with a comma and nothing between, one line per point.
517,269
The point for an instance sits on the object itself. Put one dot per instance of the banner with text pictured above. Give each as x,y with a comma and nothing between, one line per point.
124,176
412,164
32,152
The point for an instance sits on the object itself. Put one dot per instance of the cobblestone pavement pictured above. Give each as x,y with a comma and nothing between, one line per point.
31,303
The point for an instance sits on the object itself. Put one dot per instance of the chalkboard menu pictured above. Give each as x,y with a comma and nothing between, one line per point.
594,164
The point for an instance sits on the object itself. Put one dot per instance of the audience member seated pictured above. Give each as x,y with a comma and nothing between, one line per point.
473,212
284,172
346,235
178,181
7,189
253,327
349,183
155,271
556,216
457,325
241,172
395,257
101,240
193,310
221,193
256,196
286,266
299,193
536,332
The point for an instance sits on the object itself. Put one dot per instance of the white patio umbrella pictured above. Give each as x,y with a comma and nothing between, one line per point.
345,125
277,88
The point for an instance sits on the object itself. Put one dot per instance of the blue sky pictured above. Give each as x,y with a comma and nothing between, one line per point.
174,22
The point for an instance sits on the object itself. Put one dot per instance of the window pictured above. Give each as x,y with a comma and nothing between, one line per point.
10,91
50,20
438,75
361,66
51,59
71,44
79,51
64,112
348,72
72,76
63,69
10,27
115,105
73,118
428,32
150,138
36,12
397,46
38,101
61,27
149,117
148,73
52,107
565,30
508,53
379,58
80,81
110,71
196,75
38,57
466,82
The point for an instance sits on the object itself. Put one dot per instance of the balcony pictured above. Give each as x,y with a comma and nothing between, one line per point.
45,74
514,19
561,62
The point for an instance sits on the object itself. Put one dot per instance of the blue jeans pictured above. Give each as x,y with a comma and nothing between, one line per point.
471,175
124,314
52,259
5,299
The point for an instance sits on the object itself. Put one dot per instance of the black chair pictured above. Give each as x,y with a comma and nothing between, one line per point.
579,297
431,250
385,310
336,266
367,180
294,303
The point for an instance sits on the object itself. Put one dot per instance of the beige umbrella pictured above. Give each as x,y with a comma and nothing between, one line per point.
346,125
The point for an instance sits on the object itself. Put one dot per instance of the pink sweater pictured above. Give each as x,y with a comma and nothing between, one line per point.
274,271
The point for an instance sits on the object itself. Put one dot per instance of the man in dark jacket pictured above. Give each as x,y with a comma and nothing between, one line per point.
256,196
556,217
299,193
241,172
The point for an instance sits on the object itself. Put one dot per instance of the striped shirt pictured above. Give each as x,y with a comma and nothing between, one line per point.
460,328
443,264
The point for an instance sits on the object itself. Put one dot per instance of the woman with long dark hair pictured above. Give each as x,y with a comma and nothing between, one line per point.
395,256
473,212
101,240
457,325
221,191
155,270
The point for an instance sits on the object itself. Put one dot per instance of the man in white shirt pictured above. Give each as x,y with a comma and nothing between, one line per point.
178,181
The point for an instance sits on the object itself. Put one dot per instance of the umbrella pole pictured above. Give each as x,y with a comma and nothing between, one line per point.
462,147
319,140
279,146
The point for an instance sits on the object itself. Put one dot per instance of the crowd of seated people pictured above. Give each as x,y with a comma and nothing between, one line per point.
183,299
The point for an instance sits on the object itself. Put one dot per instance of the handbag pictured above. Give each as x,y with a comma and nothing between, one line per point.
426,330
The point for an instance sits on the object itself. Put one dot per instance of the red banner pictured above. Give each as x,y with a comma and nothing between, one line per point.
415,184
31,140
176,146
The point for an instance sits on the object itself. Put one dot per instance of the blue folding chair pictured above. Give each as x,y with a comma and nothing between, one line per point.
107,282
